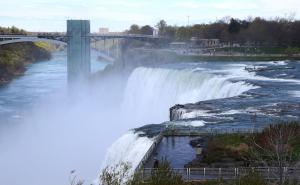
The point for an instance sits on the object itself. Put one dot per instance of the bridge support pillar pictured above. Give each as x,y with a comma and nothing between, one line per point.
79,54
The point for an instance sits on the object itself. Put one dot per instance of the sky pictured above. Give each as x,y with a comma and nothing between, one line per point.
118,15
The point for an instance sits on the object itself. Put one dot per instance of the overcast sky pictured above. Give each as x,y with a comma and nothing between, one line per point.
51,15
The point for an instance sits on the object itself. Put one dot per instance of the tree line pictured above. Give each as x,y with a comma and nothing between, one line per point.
282,32
12,30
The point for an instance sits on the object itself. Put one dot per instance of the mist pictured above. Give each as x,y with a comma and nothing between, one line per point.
88,127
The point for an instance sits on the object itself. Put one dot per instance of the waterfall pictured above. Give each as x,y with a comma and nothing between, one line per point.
149,94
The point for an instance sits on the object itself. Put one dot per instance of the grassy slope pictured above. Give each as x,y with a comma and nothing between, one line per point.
15,57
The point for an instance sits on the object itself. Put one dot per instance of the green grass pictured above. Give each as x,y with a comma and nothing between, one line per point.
231,139
45,45
227,146
241,146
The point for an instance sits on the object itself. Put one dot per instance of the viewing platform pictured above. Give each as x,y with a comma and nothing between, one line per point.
174,145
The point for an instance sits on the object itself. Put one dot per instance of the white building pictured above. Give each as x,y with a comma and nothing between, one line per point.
204,43
103,30
155,32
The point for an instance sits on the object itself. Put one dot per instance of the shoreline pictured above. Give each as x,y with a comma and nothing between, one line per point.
228,58
15,58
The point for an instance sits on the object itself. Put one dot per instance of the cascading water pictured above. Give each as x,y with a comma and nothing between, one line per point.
149,94
63,132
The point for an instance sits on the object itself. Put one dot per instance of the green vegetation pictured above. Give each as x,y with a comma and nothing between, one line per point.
47,46
136,29
279,140
261,36
253,31
276,146
15,57
165,175
234,146
252,178
120,175
12,30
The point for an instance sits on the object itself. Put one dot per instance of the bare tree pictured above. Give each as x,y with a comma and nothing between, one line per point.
116,175
73,179
273,147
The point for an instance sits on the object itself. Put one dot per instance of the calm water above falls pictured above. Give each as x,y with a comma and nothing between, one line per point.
44,133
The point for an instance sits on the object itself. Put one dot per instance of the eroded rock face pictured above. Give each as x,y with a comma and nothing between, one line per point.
176,112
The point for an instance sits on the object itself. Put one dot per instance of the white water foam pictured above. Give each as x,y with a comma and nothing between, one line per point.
193,123
129,148
295,94
237,71
149,94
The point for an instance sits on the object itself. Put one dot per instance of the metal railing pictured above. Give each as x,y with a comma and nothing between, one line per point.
149,152
201,174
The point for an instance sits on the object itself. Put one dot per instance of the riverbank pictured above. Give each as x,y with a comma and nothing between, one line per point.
252,58
152,57
15,57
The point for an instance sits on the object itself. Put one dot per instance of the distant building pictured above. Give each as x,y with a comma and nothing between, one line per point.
204,43
103,30
155,32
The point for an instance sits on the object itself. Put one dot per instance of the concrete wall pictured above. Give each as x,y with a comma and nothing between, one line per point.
79,62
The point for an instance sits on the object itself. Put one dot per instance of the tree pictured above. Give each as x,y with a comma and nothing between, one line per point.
277,32
73,180
116,175
120,175
183,34
146,30
234,26
161,26
274,147
165,175
134,29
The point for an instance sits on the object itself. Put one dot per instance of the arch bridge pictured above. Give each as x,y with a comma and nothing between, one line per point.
77,39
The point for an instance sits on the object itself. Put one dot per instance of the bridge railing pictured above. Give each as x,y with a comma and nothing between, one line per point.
92,35
202,174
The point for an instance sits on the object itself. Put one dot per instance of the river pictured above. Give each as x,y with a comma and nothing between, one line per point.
46,131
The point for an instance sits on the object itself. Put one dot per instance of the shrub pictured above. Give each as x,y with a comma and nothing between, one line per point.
253,178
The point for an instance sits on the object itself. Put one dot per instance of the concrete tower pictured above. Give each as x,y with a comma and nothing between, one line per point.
79,54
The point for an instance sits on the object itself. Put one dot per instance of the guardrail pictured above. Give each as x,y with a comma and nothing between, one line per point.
189,132
149,152
202,174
